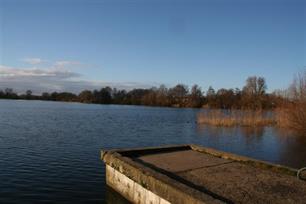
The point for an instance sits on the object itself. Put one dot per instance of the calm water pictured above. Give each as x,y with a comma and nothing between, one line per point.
49,151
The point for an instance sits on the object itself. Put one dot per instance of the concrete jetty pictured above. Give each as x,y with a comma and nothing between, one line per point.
193,174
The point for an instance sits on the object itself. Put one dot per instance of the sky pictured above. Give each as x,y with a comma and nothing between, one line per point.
72,45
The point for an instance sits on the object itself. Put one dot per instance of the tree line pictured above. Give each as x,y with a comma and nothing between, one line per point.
252,96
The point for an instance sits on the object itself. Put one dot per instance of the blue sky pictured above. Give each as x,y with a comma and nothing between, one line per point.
78,44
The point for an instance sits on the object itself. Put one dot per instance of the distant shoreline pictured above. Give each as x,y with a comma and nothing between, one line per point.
110,104
252,96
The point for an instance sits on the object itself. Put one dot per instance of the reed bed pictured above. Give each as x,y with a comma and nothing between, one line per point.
229,118
292,116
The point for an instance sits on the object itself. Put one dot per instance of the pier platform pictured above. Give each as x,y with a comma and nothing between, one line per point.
193,174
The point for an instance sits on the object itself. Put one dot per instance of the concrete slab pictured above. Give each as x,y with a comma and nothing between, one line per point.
238,182
180,161
242,183
193,174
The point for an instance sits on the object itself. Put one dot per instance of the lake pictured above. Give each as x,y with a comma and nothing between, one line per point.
50,151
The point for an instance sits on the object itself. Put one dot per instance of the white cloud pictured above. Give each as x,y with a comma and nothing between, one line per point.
9,72
33,61
54,79
65,63
38,80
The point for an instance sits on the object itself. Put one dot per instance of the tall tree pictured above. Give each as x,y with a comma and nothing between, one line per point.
162,98
86,97
196,97
178,95
255,86
254,92
211,97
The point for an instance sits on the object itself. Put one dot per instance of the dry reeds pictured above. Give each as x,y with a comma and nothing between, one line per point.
292,116
236,118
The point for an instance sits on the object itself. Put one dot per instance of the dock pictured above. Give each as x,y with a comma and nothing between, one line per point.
193,174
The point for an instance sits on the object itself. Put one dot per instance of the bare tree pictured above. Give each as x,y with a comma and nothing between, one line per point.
196,96
298,87
178,94
255,86
210,91
293,114
162,96
254,92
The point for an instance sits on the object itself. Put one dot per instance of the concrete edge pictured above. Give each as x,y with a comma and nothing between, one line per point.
214,152
160,184
168,187
129,189
127,150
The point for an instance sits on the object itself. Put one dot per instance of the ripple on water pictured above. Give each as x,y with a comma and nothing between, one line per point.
50,151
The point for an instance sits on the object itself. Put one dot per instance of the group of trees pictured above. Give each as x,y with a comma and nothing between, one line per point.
252,96
8,94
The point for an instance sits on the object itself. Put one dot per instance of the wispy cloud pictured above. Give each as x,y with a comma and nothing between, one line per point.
10,72
33,61
56,77
65,63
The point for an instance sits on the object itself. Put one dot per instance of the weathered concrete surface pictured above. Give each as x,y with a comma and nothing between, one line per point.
178,161
240,183
193,174
167,188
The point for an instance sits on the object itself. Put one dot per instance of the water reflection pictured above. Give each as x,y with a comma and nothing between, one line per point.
272,144
217,131
293,149
257,132
51,149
